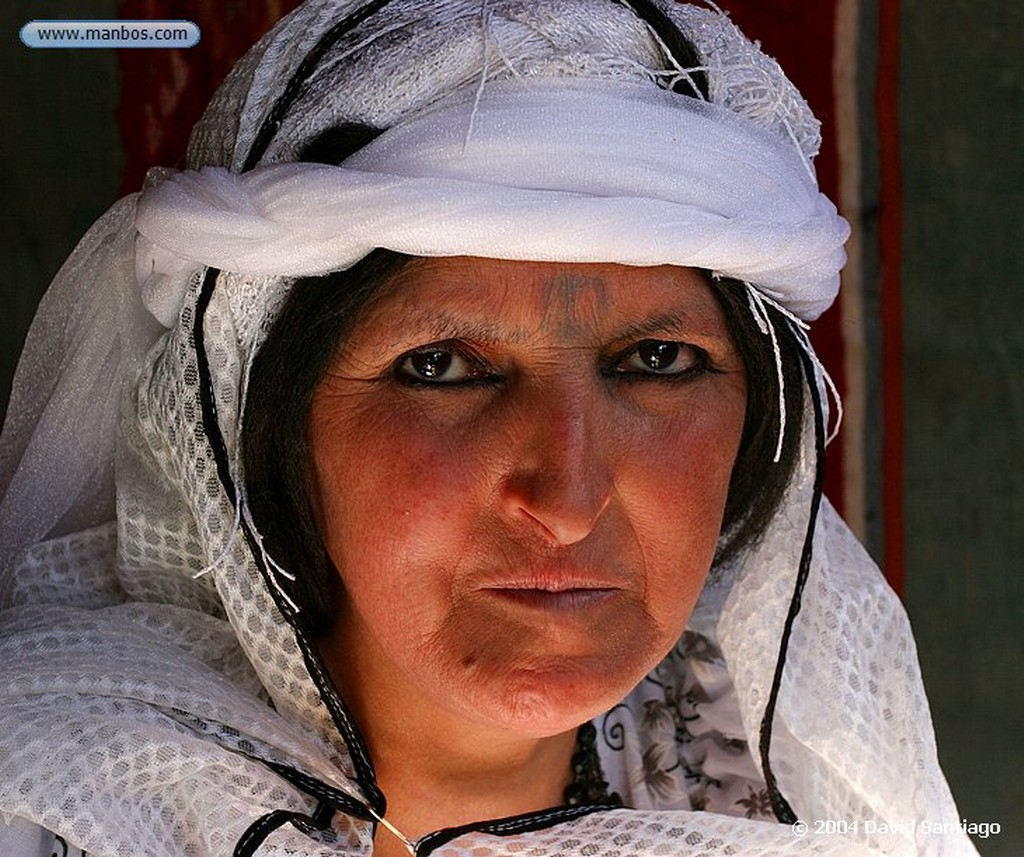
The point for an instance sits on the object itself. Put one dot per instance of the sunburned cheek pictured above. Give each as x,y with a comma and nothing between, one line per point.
676,453
676,488
417,493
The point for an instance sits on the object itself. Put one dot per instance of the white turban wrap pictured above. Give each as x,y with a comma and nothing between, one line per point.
544,170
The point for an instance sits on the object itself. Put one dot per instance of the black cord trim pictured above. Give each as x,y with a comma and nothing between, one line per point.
259,830
343,720
365,774
780,806
679,47
298,79
507,826
331,799
323,814
208,401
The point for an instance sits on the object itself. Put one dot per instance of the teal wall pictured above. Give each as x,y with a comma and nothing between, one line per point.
962,124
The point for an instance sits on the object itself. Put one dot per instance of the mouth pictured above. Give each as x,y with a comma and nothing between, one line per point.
561,600
555,590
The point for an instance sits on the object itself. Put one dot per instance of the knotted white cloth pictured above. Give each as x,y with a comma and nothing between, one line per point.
575,171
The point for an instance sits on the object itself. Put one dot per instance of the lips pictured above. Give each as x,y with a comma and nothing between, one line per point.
555,589
565,600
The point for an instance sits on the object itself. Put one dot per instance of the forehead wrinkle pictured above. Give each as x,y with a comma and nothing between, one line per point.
432,300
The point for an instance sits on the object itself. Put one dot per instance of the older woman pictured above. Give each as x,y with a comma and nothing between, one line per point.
436,466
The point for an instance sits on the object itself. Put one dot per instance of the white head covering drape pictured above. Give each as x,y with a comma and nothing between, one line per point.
133,699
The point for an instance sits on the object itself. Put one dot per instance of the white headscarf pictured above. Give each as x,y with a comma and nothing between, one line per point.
134,692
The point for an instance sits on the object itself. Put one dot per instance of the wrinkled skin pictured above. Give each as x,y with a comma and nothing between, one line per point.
519,470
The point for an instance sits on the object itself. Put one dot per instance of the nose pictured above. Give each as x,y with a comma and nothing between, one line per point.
562,475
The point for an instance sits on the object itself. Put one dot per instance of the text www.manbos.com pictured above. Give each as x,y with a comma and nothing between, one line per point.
110,34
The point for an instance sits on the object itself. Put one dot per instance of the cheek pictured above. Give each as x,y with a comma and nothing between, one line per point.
675,492
394,491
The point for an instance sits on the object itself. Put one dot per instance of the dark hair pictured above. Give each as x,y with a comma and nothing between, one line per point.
318,314
758,482
315,317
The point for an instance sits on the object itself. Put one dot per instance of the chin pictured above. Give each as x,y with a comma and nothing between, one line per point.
539,700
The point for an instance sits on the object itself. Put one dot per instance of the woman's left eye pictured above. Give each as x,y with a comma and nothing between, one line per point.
440,364
660,357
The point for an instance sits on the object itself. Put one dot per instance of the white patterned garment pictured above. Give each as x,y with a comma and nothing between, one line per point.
146,708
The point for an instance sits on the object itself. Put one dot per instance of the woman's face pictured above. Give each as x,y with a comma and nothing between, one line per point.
519,470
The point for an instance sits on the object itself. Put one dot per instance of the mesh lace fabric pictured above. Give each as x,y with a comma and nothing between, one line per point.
135,695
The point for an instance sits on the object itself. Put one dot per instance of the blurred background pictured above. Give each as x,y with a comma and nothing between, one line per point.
923,111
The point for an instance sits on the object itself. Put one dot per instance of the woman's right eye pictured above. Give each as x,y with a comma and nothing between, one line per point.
440,364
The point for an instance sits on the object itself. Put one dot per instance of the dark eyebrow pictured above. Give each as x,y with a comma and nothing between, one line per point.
668,322
437,325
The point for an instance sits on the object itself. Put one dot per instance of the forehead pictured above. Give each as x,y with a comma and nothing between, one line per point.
515,299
